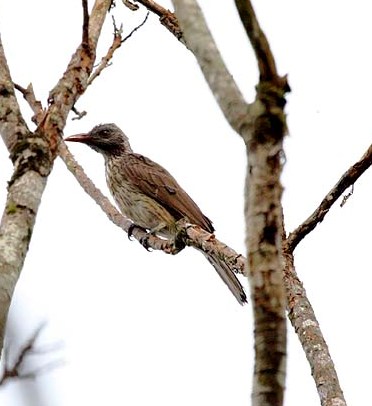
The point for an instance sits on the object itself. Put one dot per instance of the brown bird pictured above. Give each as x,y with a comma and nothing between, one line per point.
149,195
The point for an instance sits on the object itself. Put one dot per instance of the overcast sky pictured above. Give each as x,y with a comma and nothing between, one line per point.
145,328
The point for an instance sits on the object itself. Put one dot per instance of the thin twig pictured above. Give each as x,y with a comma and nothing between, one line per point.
136,28
116,43
35,104
130,5
346,180
79,114
346,197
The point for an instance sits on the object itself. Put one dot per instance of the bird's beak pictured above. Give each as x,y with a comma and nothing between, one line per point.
84,138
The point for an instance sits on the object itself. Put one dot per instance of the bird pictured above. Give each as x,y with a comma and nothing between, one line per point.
149,195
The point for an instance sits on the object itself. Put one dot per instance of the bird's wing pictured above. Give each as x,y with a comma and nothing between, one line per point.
156,182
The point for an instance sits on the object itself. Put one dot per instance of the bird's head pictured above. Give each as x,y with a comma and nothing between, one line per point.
107,139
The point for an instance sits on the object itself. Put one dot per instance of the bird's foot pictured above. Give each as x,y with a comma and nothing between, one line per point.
144,241
130,230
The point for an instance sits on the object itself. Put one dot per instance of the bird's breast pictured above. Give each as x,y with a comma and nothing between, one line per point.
142,209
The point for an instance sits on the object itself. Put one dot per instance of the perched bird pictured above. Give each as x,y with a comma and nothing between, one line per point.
149,195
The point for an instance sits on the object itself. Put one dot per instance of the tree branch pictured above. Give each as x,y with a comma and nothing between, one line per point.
208,243
303,319
260,44
36,106
12,124
116,43
262,125
166,17
200,42
85,36
346,180
263,192
33,155
22,199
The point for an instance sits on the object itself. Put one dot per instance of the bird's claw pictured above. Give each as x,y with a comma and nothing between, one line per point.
130,231
144,241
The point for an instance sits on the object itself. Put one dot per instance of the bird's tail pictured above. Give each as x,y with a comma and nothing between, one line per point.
228,276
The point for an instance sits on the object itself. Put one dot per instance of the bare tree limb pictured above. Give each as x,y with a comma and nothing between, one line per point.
222,84
13,126
200,41
33,154
208,243
260,44
85,36
303,319
19,214
300,311
346,180
90,188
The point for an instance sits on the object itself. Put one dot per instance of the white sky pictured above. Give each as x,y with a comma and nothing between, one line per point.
145,328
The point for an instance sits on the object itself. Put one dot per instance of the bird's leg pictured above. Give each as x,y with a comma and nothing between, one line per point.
177,238
159,227
144,241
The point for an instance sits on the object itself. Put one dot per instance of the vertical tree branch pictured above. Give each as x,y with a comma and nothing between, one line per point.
263,208
13,126
33,155
264,221
85,36
23,195
262,126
